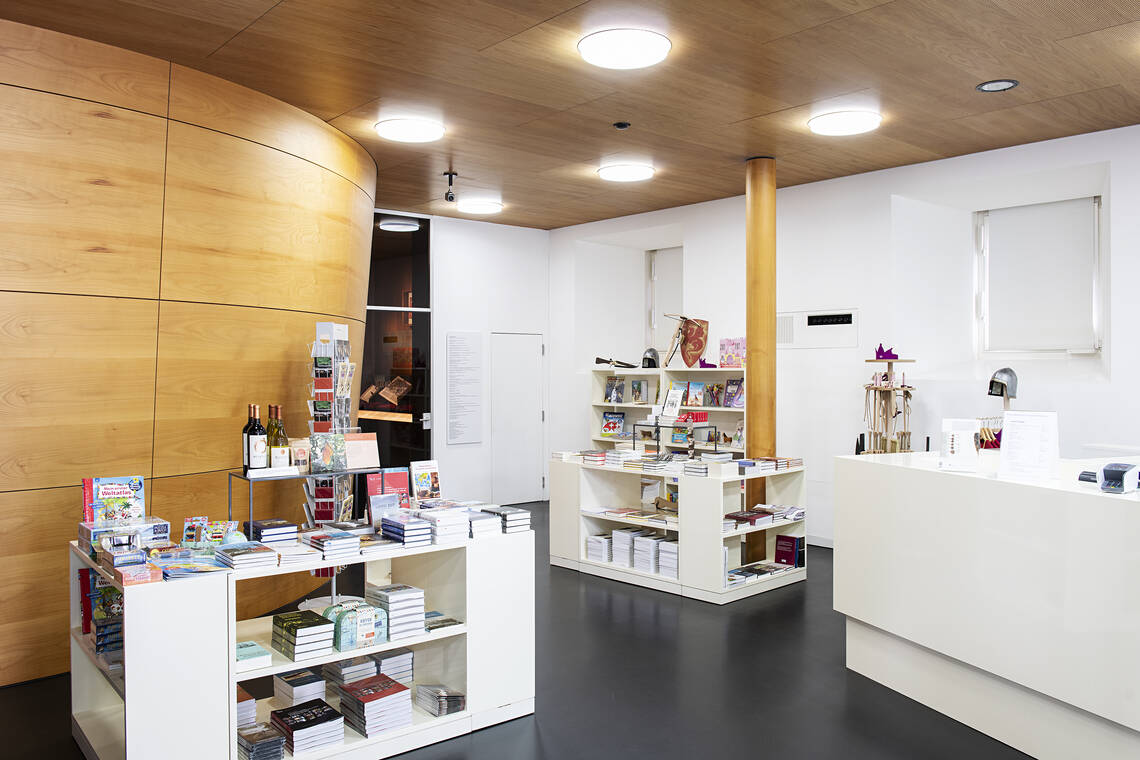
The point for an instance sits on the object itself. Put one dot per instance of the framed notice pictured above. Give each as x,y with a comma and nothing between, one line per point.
1030,447
464,387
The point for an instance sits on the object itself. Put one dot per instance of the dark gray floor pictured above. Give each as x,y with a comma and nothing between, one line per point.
625,672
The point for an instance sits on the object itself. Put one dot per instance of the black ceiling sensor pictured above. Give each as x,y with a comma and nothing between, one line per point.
449,196
622,125
814,320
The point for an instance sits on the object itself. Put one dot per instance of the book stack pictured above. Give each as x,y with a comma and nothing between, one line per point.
246,554
379,546
514,519
271,532
340,674
294,553
438,700
298,686
599,548
449,527
251,656
633,465
302,635
435,620
594,457
618,457
784,512
645,552
333,544
260,741
750,518
697,469
376,705
483,524
716,456
408,529
651,464
398,664
404,605
309,726
623,544
667,563
246,708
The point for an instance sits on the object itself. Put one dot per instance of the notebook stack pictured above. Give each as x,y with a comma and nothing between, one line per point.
246,708
408,529
379,546
246,554
667,564
398,663
515,520
376,705
449,527
594,457
333,544
302,635
339,674
309,726
645,550
298,686
784,512
271,532
438,700
696,469
404,605
599,549
260,741
622,546
484,524
632,464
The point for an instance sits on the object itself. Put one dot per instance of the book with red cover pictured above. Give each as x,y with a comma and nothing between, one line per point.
788,550
373,688
395,480
375,484
747,516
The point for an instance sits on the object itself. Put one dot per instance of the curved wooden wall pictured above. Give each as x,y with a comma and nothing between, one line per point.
167,241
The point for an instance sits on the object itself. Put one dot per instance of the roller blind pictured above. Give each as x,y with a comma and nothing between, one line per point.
1040,267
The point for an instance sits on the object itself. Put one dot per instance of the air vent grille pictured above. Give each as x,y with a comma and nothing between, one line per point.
785,330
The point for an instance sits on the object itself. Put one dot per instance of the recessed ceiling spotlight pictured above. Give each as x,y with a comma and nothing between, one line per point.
997,85
399,225
478,206
624,48
626,172
845,122
410,130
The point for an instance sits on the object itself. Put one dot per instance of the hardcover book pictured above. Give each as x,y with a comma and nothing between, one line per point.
106,499
613,424
637,391
305,715
732,352
395,480
615,390
327,452
361,451
696,395
290,623
733,389
425,479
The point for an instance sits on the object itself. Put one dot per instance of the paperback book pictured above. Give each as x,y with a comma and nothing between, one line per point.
425,480
107,499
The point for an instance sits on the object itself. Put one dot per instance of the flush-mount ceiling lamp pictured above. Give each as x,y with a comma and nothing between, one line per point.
626,172
410,130
399,225
480,206
839,123
624,48
997,85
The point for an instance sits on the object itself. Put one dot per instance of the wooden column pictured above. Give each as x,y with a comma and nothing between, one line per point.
760,324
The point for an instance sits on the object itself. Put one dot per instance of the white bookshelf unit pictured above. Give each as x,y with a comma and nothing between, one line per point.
658,381
575,488
176,697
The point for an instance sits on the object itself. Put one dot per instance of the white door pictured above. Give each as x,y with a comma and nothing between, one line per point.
517,418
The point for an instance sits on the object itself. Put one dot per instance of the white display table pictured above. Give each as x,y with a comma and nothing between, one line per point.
1014,608
177,699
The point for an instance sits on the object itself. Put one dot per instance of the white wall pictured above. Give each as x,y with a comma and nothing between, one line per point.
484,278
896,245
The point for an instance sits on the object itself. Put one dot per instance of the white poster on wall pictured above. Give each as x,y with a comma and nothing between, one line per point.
464,387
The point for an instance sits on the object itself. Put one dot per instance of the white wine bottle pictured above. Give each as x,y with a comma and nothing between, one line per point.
279,451
258,458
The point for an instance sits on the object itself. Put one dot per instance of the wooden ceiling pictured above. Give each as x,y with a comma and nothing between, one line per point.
527,117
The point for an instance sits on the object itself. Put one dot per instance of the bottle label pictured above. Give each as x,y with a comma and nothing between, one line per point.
257,451
279,456
245,449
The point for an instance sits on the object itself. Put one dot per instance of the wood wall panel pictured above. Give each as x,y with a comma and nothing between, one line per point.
59,63
212,361
80,196
250,225
76,388
207,101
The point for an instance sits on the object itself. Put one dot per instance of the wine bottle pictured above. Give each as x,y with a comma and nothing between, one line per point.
279,450
245,439
257,442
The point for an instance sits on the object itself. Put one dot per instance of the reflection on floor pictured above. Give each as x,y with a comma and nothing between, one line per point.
625,672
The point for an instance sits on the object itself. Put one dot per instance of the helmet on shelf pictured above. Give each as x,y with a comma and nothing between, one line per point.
650,359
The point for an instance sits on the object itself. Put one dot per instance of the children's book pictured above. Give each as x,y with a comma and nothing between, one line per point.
738,436
732,389
673,400
637,391
613,424
696,395
106,499
425,480
738,401
615,390
732,352
714,393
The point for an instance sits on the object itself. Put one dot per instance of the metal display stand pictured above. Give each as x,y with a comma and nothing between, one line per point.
251,481
689,428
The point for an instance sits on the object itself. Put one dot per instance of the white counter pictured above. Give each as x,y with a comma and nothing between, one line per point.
1012,607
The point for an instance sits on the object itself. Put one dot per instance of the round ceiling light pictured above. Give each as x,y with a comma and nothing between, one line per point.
845,123
478,206
410,130
399,225
997,85
626,172
624,48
